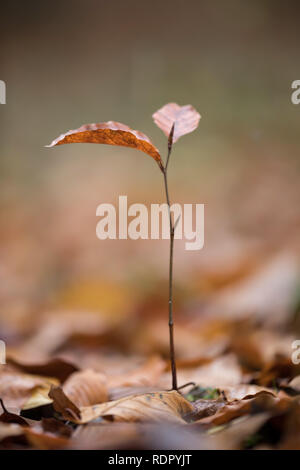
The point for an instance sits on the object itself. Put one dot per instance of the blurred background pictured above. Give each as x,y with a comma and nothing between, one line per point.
68,63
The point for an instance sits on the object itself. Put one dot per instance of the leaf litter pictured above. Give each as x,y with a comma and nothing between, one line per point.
92,371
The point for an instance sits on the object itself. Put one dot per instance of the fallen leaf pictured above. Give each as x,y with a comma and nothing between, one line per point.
242,391
111,133
185,118
56,367
38,398
157,406
64,405
85,388
261,402
121,392
16,388
7,417
204,408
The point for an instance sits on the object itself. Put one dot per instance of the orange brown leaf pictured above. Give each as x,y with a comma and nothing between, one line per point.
111,133
86,388
158,406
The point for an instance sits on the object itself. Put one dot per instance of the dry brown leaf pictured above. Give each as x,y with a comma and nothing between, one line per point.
7,417
56,367
122,392
39,397
261,402
243,391
16,388
63,404
158,406
111,133
85,388
185,118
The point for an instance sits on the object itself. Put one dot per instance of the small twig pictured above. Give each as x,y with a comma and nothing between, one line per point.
176,223
187,385
3,406
172,230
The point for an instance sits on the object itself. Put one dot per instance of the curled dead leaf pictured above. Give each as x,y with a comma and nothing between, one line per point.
261,402
111,133
86,388
243,391
7,417
185,119
63,405
158,406
17,389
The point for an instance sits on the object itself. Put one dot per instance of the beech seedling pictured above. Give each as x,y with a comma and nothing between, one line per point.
175,121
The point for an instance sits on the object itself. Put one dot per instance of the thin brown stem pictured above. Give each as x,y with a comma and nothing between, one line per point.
172,230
